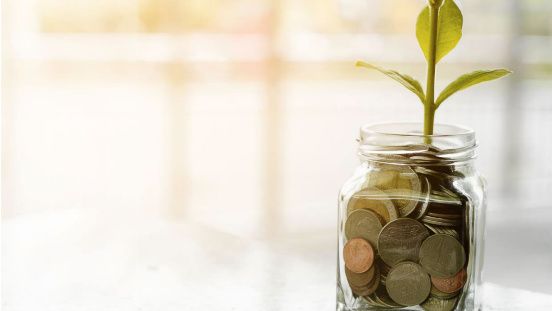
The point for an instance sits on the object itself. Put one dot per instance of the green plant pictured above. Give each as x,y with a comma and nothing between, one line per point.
438,30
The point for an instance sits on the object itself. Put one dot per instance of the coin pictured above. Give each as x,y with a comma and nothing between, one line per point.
450,231
400,240
382,297
445,216
439,294
381,177
358,255
436,304
442,255
360,279
372,301
452,284
442,219
422,207
444,230
444,199
441,177
444,172
402,181
375,200
364,224
367,289
439,223
375,283
443,195
407,284
359,290
444,222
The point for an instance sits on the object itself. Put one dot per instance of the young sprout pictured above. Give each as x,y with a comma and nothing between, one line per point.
438,30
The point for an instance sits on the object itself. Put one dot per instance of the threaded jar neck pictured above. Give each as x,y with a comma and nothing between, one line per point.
404,143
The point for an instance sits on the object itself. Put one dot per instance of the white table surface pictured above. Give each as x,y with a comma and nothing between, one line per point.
94,260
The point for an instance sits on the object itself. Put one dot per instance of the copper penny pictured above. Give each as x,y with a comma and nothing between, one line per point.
358,255
450,285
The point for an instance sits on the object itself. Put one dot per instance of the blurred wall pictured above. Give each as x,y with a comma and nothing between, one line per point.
243,114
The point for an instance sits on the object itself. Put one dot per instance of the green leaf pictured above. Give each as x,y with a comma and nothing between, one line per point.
470,79
410,83
449,29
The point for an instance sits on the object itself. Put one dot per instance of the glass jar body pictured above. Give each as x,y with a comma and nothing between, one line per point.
410,232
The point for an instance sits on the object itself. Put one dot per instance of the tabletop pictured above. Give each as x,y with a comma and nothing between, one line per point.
98,260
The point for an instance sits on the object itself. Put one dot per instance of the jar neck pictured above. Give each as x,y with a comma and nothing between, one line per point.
403,144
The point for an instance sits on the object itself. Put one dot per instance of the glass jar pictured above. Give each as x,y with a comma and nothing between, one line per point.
411,221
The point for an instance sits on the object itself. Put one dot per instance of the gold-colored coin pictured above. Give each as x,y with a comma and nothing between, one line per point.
436,304
374,200
407,284
400,240
442,255
364,224
402,181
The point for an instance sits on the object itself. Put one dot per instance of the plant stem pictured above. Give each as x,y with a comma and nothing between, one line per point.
429,107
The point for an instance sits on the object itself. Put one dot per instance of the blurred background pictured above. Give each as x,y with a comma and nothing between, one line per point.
124,119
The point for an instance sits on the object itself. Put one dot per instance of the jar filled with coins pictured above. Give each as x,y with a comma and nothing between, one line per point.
411,221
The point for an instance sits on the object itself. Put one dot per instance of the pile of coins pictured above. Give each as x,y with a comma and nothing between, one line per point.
406,242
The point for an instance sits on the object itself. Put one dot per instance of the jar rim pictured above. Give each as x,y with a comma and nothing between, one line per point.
378,128
405,143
